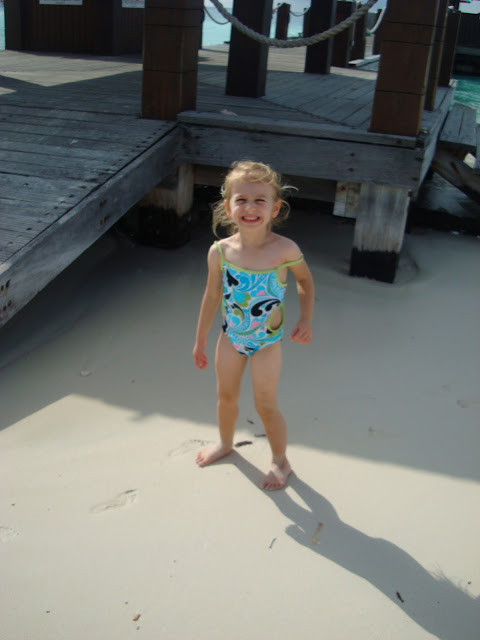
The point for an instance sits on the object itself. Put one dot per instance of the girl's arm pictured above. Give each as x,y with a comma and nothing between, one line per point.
211,300
302,332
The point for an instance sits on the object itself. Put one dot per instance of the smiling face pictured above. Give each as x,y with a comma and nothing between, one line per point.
252,205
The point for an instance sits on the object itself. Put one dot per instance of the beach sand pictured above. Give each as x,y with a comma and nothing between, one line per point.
109,531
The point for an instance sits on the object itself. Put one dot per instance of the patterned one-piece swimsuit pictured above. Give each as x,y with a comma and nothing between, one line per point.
250,300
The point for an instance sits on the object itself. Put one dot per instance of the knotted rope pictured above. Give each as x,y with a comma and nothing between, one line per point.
294,42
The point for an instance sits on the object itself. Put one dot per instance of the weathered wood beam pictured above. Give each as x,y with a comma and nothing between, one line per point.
247,58
437,52
343,42
172,36
283,18
449,47
408,33
322,14
379,231
33,267
13,25
302,156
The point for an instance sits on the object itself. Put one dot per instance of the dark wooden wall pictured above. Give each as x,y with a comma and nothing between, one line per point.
97,26
469,34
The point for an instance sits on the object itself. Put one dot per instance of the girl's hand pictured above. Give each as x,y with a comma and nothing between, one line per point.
302,333
199,357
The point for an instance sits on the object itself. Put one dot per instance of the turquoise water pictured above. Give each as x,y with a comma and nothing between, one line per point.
468,92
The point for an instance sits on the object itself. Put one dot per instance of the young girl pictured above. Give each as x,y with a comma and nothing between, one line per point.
247,271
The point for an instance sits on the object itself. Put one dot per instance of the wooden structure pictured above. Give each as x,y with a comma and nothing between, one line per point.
75,155
103,28
467,59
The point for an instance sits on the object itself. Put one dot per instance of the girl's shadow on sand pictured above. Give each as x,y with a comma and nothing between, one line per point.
433,602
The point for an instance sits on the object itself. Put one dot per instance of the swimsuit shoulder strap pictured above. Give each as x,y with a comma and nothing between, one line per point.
292,263
219,249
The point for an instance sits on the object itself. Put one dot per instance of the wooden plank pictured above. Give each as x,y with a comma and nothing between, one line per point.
52,138
68,171
14,205
57,247
42,189
459,129
312,130
447,164
304,156
88,130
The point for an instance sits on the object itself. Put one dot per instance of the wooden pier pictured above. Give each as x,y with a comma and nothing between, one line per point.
76,155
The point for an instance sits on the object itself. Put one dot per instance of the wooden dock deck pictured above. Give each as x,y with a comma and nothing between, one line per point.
75,155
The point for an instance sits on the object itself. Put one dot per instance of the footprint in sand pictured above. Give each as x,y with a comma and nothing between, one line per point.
122,500
7,534
186,447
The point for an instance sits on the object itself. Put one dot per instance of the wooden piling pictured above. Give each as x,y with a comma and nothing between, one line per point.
283,18
321,17
379,230
343,42
359,39
247,59
172,38
437,52
449,47
408,33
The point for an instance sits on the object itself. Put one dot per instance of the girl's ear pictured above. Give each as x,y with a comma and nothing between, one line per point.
227,208
276,208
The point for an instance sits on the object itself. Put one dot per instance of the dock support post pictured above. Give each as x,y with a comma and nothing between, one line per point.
359,39
247,59
449,47
162,217
379,231
408,32
322,14
343,42
13,25
437,52
172,35
283,18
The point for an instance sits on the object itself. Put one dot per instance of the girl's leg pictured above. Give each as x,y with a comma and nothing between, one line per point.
229,365
265,368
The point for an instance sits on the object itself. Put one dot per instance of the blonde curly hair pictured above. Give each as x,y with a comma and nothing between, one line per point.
249,171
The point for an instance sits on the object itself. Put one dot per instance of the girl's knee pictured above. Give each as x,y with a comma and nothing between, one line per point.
266,409
226,396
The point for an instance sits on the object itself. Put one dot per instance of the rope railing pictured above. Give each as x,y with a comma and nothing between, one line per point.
298,15
293,42
211,17
378,22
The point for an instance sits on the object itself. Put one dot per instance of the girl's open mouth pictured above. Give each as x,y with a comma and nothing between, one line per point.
251,218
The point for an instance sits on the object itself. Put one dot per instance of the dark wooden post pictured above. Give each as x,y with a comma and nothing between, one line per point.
449,47
283,18
13,25
437,53
322,17
247,59
170,58
408,32
378,35
342,44
359,39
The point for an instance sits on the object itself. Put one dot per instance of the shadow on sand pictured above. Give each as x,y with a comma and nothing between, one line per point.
433,602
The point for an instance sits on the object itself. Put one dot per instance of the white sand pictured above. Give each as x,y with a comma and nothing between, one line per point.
109,531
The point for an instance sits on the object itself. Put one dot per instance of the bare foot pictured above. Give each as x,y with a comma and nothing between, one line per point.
277,477
212,453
